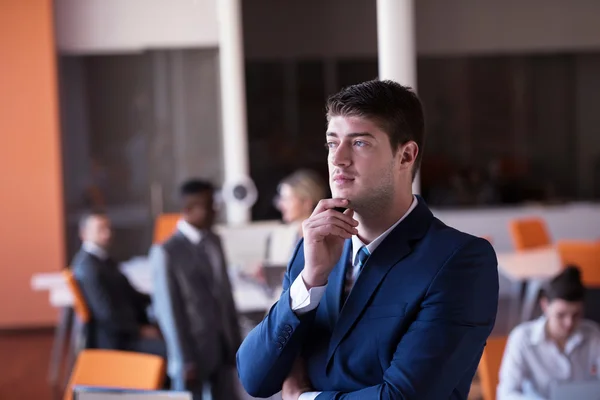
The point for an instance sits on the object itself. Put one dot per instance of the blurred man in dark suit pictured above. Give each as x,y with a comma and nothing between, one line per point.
119,319
193,300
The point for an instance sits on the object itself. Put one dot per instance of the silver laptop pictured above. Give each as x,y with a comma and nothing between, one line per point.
100,393
589,390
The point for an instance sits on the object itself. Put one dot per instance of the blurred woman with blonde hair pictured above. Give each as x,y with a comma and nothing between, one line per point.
298,195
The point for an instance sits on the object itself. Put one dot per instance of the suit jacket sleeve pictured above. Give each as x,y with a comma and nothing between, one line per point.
141,302
266,356
169,309
449,333
103,300
232,316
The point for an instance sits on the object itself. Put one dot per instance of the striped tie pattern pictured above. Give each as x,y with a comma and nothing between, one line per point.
361,259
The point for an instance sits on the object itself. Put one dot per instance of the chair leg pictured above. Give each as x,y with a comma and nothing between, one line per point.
532,293
66,314
76,343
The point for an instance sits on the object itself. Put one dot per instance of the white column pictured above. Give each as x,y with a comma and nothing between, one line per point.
233,104
396,46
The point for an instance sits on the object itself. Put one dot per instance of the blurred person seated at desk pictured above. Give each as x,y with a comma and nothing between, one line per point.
558,347
298,194
119,319
193,300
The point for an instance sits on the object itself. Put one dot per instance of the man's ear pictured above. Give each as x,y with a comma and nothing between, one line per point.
408,154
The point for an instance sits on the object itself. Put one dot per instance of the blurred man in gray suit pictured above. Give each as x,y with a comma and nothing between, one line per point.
193,301
119,319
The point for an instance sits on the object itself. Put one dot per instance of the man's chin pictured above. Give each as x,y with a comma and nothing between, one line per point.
342,194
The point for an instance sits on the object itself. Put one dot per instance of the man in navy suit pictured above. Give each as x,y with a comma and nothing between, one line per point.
382,300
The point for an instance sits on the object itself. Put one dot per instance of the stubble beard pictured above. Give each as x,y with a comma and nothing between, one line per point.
375,200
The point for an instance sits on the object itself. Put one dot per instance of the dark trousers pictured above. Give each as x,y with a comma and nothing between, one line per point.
148,346
223,385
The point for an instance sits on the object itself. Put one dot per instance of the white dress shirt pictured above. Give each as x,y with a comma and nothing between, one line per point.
195,236
532,362
191,233
95,250
304,300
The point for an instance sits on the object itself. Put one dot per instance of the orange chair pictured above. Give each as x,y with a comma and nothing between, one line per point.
585,255
79,328
489,366
116,369
164,227
529,233
79,304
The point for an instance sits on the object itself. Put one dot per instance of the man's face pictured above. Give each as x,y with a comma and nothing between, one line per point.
563,317
198,209
97,230
362,166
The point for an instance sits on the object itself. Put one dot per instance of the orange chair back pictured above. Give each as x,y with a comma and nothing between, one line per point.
529,233
585,255
116,369
489,366
164,226
79,304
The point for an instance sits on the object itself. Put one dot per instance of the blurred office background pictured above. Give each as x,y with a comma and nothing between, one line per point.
113,103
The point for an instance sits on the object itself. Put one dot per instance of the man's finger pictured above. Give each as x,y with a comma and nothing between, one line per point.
345,216
327,204
330,221
332,230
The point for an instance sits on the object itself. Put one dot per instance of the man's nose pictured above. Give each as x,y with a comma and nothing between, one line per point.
342,155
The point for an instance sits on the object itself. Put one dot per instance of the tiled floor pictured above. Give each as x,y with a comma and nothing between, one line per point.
24,366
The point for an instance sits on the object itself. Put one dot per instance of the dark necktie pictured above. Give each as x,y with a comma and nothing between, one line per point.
360,261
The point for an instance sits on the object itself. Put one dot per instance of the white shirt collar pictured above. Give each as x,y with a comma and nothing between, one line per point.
357,243
95,250
538,335
191,233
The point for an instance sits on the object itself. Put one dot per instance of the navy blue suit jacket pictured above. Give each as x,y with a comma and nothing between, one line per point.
413,327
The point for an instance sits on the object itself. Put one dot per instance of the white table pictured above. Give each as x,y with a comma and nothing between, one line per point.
249,297
530,269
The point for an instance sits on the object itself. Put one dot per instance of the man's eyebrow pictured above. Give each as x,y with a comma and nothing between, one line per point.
352,135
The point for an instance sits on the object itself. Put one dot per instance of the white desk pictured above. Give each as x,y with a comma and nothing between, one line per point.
541,263
249,298
530,270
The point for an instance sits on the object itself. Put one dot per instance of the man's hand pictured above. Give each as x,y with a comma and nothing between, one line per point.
297,382
149,332
324,235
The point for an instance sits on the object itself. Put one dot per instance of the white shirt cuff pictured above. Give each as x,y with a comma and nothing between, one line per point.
309,395
304,300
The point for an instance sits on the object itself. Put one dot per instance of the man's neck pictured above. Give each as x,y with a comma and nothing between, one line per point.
96,250
372,225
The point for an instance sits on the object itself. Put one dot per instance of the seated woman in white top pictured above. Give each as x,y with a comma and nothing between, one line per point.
558,347
298,195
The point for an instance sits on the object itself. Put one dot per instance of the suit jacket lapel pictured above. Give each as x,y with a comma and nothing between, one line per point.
397,245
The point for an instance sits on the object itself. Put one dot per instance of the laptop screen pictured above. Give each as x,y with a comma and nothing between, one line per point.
588,390
99,393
